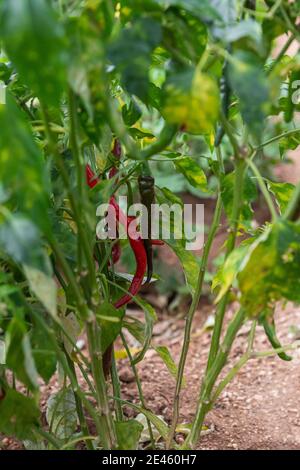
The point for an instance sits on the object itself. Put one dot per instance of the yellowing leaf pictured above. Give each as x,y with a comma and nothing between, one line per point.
191,99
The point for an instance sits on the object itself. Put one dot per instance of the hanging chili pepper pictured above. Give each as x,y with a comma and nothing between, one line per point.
146,187
269,327
91,178
116,151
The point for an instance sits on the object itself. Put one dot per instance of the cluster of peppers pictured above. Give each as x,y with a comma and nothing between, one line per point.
142,248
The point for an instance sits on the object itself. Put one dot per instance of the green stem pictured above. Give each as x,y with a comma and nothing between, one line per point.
281,53
139,387
263,189
235,370
79,408
48,437
116,388
81,226
277,137
204,400
64,363
230,135
165,138
190,316
76,290
93,335
293,204
79,164
234,222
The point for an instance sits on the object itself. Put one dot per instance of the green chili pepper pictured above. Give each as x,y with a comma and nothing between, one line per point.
147,192
270,330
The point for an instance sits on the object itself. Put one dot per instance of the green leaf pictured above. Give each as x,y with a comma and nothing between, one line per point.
19,415
43,353
170,196
22,167
128,434
188,262
226,275
201,10
282,192
250,84
289,142
166,357
44,287
249,195
61,413
35,42
19,356
192,172
72,328
157,422
185,34
21,240
177,242
150,319
271,268
191,99
131,113
109,329
131,54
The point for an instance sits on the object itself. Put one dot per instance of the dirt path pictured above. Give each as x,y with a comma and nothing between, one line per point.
259,410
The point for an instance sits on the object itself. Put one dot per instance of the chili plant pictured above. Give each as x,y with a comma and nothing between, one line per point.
94,93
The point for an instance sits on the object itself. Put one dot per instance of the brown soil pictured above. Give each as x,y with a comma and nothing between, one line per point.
260,409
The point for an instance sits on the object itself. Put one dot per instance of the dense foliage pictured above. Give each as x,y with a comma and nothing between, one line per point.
193,94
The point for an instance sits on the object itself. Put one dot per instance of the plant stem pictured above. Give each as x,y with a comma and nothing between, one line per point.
190,316
165,138
293,204
230,135
116,388
234,221
62,359
79,408
234,371
281,53
204,400
95,352
264,189
277,137
139,387
81,226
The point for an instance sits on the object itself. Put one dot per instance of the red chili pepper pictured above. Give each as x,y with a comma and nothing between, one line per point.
137,245
116,151
91,178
